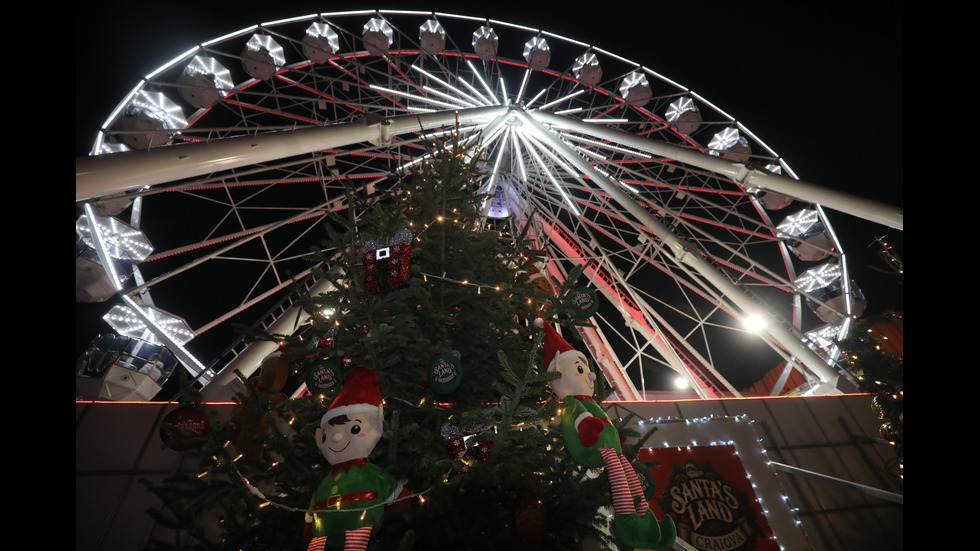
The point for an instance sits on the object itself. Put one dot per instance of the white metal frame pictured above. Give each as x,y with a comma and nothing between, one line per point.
604,182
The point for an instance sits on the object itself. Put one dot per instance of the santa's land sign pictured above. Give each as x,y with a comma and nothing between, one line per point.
716,483
708,495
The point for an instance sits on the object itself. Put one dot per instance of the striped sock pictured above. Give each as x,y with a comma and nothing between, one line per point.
622,501
357,540
317,544
635,488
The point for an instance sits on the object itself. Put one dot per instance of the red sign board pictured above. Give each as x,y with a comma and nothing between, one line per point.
708,494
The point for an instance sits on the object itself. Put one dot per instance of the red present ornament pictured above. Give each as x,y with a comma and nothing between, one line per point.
386,266
457,448
482,450
454,441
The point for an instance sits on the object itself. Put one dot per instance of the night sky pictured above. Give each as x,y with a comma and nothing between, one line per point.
820,83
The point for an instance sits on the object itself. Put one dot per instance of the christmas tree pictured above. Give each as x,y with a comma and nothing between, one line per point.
429,332
875,353
877,363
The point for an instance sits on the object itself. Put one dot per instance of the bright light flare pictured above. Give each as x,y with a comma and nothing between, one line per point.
754,323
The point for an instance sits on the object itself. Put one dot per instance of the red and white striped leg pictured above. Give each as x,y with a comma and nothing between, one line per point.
357,540
622,500
636,489
317,544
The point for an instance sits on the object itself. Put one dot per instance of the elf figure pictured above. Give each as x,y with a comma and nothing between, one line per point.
593,441
355,491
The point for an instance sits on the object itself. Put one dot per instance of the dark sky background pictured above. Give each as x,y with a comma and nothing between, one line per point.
820,83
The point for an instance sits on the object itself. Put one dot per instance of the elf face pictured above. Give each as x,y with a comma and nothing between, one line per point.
343,438
576,377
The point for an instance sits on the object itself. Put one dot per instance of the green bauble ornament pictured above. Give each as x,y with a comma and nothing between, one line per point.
584,302
324,378
444,373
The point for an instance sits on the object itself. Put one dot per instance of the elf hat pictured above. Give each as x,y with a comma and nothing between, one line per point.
555,347
360,394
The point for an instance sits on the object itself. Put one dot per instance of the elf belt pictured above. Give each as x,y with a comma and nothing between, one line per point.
354,497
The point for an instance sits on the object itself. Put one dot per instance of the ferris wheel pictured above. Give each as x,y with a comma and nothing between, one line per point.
208,185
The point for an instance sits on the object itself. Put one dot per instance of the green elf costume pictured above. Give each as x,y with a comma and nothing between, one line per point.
355,492
593,441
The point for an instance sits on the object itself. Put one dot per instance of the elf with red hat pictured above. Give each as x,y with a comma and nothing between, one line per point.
593,441
352,497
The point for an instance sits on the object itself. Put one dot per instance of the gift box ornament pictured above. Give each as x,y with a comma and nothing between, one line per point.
386,266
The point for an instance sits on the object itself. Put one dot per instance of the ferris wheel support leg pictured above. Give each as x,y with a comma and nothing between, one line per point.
105,175
683,251
860,207
226,383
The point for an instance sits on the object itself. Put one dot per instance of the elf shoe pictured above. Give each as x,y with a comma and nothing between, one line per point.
651,530
632,530
668,534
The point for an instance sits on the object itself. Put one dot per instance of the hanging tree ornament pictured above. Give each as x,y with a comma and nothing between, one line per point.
455,443
583,301
324,378
445,372
456,440
386,266
185,421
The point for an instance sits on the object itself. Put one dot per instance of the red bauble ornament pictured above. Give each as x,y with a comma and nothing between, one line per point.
183,420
